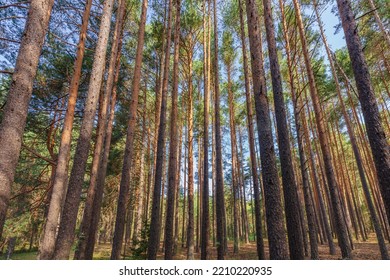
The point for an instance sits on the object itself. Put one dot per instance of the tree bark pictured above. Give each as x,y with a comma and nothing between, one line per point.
220,199
154,239
376,135
16,109
290,188
341,227
173,143
254,171
274,209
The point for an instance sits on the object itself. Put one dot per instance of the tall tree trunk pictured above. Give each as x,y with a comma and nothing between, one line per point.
154,239
254,171
341,228
376,135
172,166
220,199
15,111
370,204
129,148
233,142
274,209
101,132
305,180
47,244
95,217
65,237
205,191
290,188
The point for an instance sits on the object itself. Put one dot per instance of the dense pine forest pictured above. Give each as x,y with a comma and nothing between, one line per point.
194,129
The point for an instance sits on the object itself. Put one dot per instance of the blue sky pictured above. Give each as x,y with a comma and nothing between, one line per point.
330,20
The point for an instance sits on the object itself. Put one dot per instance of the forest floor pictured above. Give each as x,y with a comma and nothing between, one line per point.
363,250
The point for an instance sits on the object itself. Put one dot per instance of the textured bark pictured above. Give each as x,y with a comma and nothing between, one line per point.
190,121
154,239
220,200
376,135
47,244
173,143
314,255
101,132
16,108
255,177
358,158
68,221
290,188
91,236
129,149
341,227
205,228
273,205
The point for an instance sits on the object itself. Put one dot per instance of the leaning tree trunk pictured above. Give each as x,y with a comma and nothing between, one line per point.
172,165
376,135
65,237
303,166
290,188
99,143
15,110
154,239
274,209
129,149
340,225
47,245
355,149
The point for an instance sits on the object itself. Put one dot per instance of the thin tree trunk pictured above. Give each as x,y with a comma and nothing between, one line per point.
154,239
101,131
65,237
220,200
190,227
329,170
355,148
91,236
129,149
47,244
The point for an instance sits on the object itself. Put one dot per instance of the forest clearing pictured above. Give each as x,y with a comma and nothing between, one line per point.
195,129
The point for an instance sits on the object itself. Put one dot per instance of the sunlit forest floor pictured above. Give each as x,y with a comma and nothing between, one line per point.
363,250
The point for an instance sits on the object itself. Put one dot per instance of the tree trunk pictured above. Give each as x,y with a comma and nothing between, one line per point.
190,227
290,188
68,221
172,166
220,199
376,135
255,177
15,111
330,174
95,217
274,209
47,244
154,239
101,132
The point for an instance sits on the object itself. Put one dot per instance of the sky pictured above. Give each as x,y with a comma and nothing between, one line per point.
330,20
